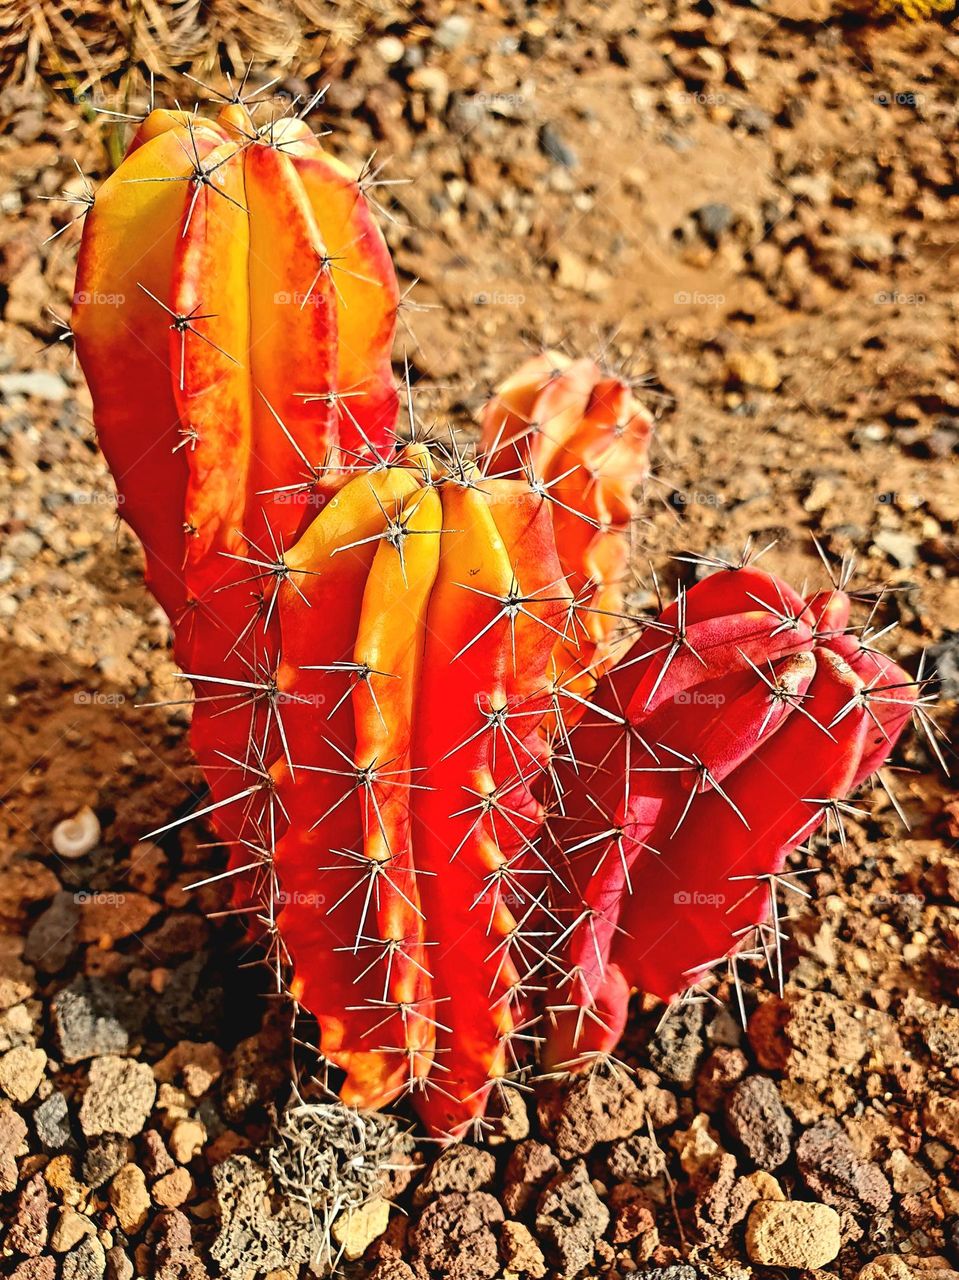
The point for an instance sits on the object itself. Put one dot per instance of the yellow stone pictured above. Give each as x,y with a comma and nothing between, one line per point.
356,1230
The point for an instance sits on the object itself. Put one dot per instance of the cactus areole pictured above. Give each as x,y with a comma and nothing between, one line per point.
467,816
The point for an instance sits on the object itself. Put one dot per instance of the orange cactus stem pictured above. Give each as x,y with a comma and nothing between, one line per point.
740,720
391,835
234,315
581,439
384,810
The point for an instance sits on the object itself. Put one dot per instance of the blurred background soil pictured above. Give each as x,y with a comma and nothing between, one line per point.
752,209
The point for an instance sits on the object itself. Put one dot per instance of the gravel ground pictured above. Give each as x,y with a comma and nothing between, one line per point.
751,208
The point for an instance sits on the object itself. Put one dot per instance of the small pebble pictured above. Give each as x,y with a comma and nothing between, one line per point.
69,1230
186,1140
77,836
21,1071
390,49
453,31
119,1266
36,383
43,1268
102,1158
173,1189
553,145
130,1199
759,1122
520,1252
355,1231
51,1119
119,1097
13,1137
86,1262
28,1232
901,548
94,1016
713,220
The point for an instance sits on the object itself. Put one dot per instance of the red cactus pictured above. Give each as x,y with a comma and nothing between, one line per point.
737,721
580,436
379,643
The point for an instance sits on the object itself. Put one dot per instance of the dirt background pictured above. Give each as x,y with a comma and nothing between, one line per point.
752,211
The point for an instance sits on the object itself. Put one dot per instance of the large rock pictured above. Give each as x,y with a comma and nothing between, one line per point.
455,1236
21,1071
28,1229
595,1108
93,1016
459,1168
790,1233
130,1199
355,1231
570,1219
677,1047
13,1135
833,1170
529,1168
758,1121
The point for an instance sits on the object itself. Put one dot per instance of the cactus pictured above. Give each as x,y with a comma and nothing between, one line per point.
739,720
234,314
389,648
392,831
230,280
323,590
234,311
579,436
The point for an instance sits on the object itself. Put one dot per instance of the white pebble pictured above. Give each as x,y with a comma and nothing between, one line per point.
77,836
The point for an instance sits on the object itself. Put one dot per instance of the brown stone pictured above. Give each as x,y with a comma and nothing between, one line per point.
790,1233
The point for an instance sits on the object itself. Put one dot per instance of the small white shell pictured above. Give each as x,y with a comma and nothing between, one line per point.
77,836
